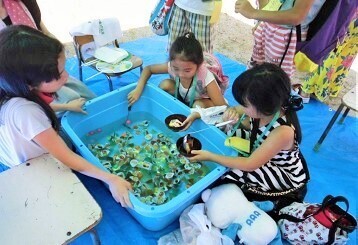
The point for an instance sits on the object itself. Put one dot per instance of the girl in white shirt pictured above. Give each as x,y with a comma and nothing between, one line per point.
187,82
31,62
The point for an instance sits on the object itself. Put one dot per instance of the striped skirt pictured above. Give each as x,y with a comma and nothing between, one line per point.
270,44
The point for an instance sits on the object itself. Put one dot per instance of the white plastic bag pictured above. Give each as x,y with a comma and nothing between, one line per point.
211,115
172,238
197,229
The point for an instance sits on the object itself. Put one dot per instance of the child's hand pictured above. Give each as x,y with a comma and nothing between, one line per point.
133,96
190,119
231,114
244,7
120,188
76,105
200,155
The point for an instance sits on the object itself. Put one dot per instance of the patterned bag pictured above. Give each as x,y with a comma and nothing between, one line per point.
326,223
160,16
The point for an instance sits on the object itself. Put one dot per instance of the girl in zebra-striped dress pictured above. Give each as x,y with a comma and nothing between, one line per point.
275,168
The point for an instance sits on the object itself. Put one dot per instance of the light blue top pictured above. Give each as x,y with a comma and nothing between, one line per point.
316,6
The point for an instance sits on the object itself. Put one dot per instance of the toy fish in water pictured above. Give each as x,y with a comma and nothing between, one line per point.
150,160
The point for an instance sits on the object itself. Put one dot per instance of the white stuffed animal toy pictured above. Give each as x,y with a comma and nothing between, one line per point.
226,205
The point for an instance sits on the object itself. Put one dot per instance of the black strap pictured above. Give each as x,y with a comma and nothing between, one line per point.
332,233
298,33
191,83
304,165
291,218
289,38
255,129
288,44
330,201
322,16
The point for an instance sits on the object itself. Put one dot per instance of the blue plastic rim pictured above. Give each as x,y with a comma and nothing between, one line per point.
112,107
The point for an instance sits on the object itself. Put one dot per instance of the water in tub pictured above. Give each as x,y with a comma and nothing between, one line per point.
146,155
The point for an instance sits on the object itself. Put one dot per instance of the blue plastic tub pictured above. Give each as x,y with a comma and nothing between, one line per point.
112,107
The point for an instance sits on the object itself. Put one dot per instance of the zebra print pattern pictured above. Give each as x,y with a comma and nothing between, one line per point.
283,172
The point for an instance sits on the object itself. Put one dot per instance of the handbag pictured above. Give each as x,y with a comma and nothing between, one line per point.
326,223
159,18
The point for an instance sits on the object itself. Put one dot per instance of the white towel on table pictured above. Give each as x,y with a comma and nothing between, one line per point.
104,31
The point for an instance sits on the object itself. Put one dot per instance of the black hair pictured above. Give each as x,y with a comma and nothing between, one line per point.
187,48
27,58
268,88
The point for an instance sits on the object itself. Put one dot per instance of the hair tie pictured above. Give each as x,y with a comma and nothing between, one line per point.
187,35
294,103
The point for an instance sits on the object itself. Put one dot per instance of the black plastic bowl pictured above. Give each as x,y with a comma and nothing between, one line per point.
180,117
180,146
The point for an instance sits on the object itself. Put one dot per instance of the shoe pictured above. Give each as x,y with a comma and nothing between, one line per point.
296,90
305,99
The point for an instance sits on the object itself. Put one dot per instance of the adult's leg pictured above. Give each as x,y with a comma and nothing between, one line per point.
178,24
203,30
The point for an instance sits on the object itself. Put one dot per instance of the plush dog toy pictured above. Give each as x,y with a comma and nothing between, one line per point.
228,209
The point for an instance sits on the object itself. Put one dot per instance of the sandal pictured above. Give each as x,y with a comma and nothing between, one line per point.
298,91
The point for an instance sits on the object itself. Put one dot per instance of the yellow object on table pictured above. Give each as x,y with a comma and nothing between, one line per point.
238,144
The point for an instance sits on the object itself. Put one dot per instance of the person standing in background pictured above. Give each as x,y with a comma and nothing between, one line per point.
74,93
327,80
196,16
25,12
275,37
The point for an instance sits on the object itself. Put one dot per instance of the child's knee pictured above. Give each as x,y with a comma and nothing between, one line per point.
167,85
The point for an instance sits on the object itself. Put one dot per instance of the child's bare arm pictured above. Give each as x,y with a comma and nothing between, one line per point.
53,143
282,138
235,113
262,3
215,94
190,119
147,72
293,16
73,105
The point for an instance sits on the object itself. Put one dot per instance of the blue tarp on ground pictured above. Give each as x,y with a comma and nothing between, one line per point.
333,169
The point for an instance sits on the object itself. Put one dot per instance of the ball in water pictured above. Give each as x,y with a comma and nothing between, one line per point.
128,122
